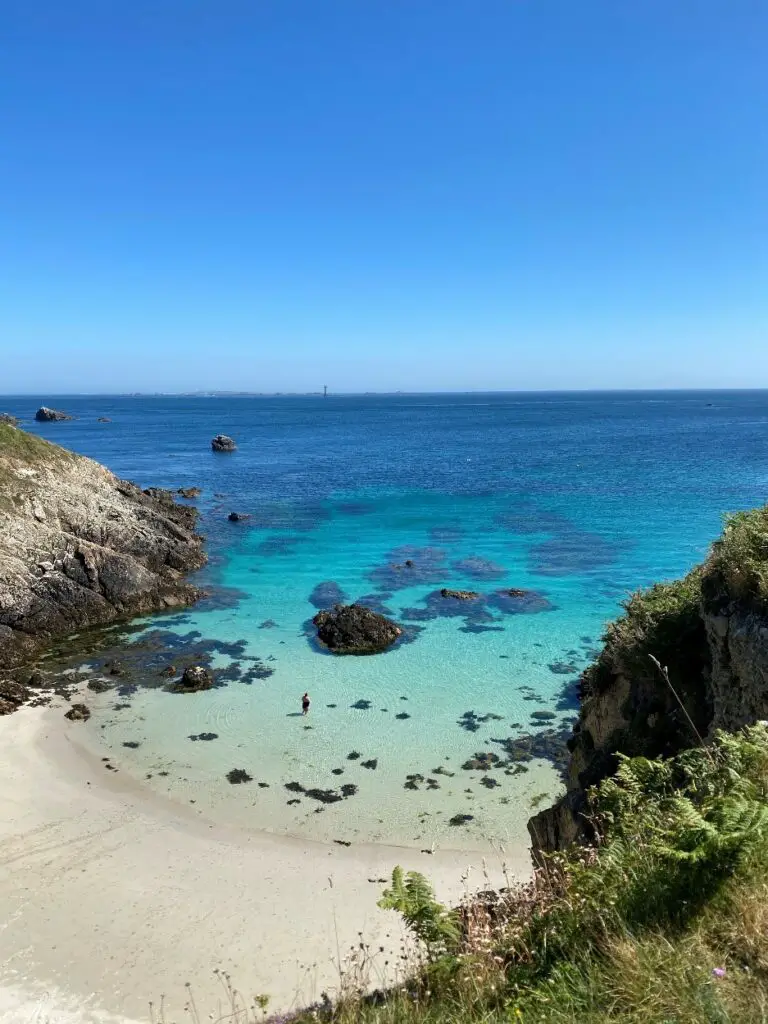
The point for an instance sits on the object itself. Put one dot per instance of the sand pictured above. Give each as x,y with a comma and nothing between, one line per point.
112,897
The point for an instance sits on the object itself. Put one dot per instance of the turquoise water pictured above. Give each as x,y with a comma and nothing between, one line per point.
574,499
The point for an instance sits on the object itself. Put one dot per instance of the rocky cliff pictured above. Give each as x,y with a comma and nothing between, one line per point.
79,547
709,633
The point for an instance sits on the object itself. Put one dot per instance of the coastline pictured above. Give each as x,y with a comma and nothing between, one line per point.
152,896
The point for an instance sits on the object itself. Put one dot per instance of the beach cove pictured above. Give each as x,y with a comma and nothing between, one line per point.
434,754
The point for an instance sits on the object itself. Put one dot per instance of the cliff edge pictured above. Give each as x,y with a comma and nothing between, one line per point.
79,547
709,632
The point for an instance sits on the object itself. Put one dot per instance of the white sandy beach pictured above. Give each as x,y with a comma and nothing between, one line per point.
111,897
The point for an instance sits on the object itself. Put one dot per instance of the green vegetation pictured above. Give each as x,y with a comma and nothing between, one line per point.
665,921
737,568
664,621
20,450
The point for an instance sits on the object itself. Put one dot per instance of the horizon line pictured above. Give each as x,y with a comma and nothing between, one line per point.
223,393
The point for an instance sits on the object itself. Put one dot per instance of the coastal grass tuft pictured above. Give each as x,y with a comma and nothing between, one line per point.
21,451
663,620
737,567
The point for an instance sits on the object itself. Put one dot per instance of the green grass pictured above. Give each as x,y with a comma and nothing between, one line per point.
20,450
737,567
664,621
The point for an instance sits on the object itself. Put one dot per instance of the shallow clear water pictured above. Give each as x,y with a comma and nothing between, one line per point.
576,498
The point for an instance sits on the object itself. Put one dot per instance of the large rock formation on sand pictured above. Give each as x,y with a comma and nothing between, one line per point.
355,629
46,415
709,634
79,547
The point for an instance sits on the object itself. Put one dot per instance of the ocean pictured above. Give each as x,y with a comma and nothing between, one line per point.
574,500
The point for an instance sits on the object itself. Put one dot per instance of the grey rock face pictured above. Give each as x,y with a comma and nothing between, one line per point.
79,547
46,415
222,443
5,417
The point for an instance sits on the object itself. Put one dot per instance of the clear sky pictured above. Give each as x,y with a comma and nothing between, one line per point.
383,194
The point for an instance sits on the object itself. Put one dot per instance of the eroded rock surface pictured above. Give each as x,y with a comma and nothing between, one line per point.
355,629
79,547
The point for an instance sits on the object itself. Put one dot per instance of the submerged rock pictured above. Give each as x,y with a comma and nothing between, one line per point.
189,492
238,517
103,419
355,629
459,595
46,415
223,443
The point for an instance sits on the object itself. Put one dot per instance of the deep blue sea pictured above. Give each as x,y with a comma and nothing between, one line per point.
577,499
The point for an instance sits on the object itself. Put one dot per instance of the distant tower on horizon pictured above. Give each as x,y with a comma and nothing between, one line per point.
325,390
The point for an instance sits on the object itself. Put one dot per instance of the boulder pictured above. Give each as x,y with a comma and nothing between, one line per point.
355,629
46,415
222,443
460,595
189,492
195,678
78,713
11,421
237,517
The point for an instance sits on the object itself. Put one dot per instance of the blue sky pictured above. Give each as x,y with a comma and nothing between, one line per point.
383,194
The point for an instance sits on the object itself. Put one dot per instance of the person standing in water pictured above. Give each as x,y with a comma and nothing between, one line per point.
305,702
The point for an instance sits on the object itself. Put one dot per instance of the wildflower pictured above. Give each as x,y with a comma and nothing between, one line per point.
718,972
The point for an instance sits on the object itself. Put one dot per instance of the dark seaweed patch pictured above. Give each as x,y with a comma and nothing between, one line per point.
268,624
361,705
408,566
472,721
372,763
325,796
402,716
354,756
280,545
348,789
132,744
461,819
326,595
573,553
205,736
446,534
561,668
237,776
477,568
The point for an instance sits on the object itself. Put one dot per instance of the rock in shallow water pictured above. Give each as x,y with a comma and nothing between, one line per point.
195,678
355,629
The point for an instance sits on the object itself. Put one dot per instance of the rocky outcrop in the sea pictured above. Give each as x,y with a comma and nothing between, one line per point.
355,629
709,634
238,517
459,595
223,443
189,492
79,547
194,678
46,415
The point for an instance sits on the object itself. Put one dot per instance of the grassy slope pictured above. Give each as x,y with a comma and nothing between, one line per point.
20,450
